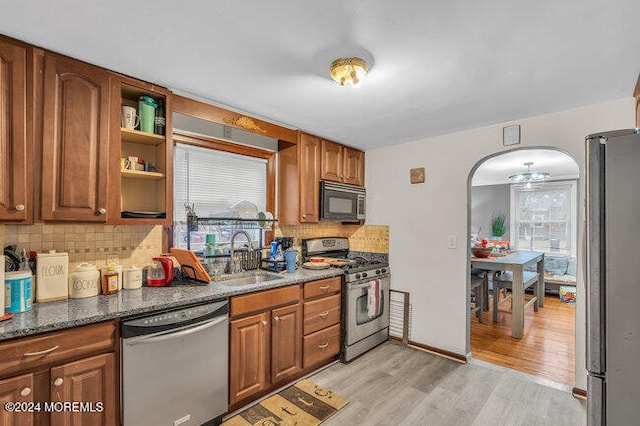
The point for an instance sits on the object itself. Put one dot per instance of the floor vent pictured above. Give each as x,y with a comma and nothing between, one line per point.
401,312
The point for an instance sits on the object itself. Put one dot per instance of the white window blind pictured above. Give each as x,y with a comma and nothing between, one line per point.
215,180
545,219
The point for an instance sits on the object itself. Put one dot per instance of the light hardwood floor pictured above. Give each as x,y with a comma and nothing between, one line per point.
397,385
547,348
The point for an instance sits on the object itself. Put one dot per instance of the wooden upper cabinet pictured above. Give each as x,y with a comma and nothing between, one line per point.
309,149
353,166
75,141
342,164
89,380
286,342
331,161
15,136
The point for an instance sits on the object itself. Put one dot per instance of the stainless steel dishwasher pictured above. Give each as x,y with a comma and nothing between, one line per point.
175,367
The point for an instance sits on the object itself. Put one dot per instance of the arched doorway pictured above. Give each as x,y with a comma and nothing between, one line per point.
537,217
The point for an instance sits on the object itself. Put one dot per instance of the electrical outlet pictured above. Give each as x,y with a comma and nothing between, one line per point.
451,241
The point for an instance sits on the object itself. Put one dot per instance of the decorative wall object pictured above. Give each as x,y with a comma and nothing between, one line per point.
417,175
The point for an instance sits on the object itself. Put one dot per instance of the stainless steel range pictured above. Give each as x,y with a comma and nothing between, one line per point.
365,295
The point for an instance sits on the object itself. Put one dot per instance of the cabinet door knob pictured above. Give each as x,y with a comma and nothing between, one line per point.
264,323
102,211
276,318
58,381
19,207
304,216
25,392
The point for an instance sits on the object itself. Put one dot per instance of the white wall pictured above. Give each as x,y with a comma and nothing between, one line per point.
422,216
485,202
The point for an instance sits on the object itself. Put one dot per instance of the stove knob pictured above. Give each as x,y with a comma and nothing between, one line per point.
357,276
377,271
384,270
364,275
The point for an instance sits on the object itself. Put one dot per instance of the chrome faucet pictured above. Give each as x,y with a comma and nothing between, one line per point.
233,249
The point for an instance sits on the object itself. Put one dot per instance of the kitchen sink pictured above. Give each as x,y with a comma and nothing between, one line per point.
247,278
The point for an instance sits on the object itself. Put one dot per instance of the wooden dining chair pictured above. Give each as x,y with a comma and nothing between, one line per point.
504,281
478,289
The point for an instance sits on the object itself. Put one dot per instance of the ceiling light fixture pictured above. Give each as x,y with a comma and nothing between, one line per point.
348,71
529,179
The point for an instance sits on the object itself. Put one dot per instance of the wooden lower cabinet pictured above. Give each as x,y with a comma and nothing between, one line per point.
286,344
70,366
16,389
249,356
321,345
91,381
267,343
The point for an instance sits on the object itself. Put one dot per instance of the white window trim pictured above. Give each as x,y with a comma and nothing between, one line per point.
573,190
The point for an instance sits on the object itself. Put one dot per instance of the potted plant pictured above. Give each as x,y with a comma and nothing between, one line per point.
498,225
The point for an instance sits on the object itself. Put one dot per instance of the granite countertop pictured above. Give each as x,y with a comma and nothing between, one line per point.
70,313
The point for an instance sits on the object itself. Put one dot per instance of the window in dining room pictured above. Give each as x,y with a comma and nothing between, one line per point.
545,218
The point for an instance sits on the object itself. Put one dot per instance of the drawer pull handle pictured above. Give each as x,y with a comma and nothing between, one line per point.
25,392
324,345
324,288
58,381
324,314
46,351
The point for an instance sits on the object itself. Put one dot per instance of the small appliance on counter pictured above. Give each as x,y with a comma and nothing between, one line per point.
160,274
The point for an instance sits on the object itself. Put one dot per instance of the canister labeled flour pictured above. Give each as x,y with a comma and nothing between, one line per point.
84,281
52,276
17,287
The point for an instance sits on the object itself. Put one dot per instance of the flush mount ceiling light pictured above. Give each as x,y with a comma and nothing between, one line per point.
348,71
529,179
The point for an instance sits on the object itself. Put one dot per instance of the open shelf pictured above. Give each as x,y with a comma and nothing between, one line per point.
138,174
145,138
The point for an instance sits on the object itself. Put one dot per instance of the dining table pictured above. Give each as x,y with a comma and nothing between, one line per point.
516,262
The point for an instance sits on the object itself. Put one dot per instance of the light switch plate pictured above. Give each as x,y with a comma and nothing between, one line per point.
451,241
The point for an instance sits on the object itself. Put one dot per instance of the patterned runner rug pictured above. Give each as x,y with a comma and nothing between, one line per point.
303,404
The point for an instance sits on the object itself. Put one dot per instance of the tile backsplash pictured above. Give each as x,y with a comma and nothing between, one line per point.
137,244
365,238
131,244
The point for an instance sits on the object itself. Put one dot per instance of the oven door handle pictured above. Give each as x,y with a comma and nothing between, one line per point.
356,286
173,334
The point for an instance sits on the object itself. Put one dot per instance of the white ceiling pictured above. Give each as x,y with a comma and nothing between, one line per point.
496,170
437,67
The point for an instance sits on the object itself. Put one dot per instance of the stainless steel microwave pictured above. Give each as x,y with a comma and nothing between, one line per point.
342,203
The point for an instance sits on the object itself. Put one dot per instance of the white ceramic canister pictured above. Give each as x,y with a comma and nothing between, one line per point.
84,281
132,278
18,291
52,276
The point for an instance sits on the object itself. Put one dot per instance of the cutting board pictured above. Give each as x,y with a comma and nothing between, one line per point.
189,258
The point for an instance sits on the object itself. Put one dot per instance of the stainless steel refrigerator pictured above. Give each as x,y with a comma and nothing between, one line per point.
613,278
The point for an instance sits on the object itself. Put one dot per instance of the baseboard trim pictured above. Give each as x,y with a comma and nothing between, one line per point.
579,393
437,351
